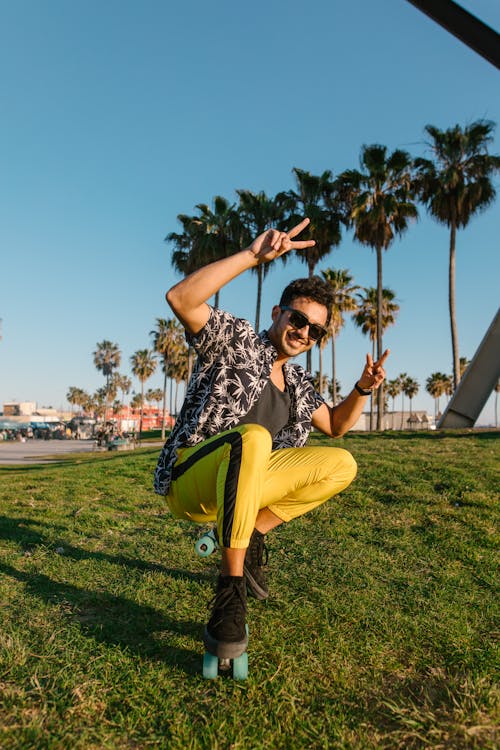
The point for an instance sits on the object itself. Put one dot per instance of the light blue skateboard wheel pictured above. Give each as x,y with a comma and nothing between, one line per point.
240,667
210,666
206,544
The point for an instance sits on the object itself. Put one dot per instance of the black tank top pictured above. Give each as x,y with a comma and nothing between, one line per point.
271,410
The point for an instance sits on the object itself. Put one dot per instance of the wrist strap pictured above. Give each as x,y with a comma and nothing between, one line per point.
361,391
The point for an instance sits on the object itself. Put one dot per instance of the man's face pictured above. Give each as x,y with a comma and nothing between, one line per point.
289,339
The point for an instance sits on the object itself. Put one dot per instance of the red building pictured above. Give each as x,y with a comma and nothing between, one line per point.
129,419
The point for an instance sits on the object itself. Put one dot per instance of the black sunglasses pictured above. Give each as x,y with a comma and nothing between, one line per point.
299,320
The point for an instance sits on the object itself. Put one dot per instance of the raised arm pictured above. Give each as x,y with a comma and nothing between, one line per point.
188,298
337,420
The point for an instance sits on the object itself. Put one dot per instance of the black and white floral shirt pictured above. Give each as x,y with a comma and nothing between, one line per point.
233,366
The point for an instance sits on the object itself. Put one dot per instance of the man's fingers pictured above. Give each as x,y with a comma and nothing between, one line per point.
369,360
383,358
275,239
298,229
301,244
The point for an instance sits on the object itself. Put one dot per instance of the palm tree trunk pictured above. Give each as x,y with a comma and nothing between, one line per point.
260,271
451,302
142,410
372,400
310,266
164,414
334,373
380,391
321,371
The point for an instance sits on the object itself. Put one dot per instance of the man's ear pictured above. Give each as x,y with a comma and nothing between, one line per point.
275,313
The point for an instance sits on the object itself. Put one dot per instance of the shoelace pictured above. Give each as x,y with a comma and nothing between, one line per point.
259,553
225,597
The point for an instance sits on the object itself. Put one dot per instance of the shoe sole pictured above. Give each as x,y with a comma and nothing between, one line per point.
253,587
224,649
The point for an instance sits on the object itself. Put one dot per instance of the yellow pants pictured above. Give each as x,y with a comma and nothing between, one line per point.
231,476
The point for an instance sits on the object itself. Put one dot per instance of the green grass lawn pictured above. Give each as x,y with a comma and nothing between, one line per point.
379,631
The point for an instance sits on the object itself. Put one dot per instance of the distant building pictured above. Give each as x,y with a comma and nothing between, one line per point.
398,420
127,419
19,408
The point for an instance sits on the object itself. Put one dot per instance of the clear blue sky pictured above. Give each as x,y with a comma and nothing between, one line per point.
118,115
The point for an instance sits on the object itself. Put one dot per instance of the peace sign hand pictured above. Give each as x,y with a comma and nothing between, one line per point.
273,243
373,374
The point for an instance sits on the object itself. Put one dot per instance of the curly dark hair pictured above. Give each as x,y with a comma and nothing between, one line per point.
313,288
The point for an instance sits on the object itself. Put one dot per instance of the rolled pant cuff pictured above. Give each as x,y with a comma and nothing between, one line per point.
238,544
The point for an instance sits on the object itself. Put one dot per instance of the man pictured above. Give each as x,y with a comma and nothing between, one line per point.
236,454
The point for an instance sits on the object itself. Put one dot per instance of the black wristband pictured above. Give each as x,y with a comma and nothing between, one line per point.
361,391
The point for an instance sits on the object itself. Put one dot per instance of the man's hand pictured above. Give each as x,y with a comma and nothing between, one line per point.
373,373
272,243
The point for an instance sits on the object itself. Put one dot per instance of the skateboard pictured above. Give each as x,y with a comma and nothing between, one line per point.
206,545
212,665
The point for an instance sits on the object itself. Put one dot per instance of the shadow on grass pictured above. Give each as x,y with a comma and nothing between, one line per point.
115,620
77,459
17,530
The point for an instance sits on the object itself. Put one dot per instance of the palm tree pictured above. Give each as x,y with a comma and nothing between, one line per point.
116,408
454,186
335,388
367,318
435,386
320,382
99,401
154,395
448,386
143,366
410,388
76,396
217,233
402,378
178,370
167,338
343,289
309,199
257,213
123,383
107,358
184,258
380,205
211,235
393,389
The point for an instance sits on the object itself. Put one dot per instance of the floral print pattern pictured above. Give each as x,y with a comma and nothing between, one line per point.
233,366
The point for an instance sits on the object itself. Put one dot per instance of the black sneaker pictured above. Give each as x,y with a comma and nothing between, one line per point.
255,560
225,634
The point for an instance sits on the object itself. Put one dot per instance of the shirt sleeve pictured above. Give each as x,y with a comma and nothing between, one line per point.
313,398
215,336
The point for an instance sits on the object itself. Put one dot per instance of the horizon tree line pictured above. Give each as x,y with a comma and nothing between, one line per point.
377,202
